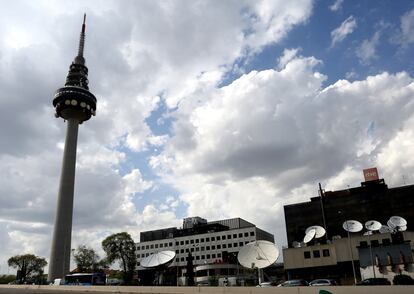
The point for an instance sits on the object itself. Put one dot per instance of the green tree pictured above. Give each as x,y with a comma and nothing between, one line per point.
5,279
121,247
28,266
86,259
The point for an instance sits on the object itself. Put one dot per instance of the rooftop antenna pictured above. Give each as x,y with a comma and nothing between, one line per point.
322,195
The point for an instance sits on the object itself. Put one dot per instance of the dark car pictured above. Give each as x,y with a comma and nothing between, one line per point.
293,283
323,282
374,281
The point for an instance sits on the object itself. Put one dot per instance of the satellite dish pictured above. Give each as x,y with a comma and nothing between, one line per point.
398,221
302,244
389,224
158,258
309,235
258,254
295,244
385,229
319,231
402,228
352,226
373,225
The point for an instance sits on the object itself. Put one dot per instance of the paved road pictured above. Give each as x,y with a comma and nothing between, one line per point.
42,291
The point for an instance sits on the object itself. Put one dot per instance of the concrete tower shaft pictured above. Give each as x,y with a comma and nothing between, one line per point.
75,104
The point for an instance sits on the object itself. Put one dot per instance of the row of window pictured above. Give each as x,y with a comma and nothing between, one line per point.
203,248
317,253
196,241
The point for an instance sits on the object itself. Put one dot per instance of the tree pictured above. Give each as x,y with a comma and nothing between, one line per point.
28,266
121,247
86,259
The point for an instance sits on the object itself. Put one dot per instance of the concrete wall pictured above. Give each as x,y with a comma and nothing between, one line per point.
231,290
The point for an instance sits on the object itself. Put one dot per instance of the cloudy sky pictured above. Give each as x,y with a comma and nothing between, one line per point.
216,109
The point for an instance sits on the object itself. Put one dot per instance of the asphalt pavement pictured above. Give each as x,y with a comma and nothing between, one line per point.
42,291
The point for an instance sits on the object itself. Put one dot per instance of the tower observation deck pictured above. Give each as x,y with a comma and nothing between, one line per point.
75,104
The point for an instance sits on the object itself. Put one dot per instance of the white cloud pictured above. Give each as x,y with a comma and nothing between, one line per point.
270,136
337,5
367,51
407,28
346,28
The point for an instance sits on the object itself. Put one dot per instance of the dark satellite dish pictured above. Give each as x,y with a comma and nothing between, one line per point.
158,258
385,229
352,226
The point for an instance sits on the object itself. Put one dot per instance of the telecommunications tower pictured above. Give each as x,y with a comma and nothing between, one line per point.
75,104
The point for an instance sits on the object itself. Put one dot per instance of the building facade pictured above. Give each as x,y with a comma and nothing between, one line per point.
209,243
340,257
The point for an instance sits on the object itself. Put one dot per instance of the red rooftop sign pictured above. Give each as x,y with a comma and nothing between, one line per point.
371,174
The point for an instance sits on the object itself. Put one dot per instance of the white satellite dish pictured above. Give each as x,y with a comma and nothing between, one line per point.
385,230
258,254
391,225
158,258
352,226
398,221
373,225
402,228
319,231
309,235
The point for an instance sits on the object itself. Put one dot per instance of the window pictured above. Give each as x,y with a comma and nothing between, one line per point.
207,239
146,254
325,252
138,255
213,247
203,257
213,255
245,242
187,242
147,247
207,247
197,248
177,259
306,254
251,233
170,244
177,243
224,246
316,254
156,245
240,235
192,249
234,236
234,244
197,240
197,257
218,238
161,245
182,258
246,234
137,247
202,248
191,241
228,236
186,250
213,239
177,251
182,250
219,246
181,242
202,240
223,237
208,256
240,244
219,255
166,245
229,245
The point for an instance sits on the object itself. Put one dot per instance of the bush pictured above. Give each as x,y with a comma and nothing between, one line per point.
403,280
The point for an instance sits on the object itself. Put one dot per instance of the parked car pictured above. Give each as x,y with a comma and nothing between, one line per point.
374,281
293,283
267,284
323,282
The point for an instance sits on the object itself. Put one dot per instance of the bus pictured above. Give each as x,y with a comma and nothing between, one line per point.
85,279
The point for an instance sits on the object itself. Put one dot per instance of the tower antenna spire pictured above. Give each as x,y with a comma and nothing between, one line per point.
79,58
